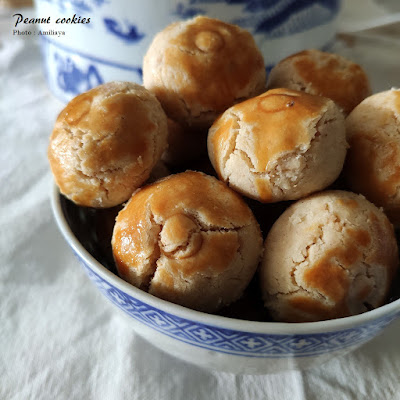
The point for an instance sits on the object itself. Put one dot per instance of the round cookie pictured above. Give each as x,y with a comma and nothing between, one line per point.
373,161
323,74
199,67
105,143
331,255
188,239
281,145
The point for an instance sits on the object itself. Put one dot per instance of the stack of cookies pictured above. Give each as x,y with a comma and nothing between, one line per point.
231,144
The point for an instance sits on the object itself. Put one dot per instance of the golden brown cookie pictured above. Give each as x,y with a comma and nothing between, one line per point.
188,239
373,162
333,254
323,74
105,143
281,145
200,67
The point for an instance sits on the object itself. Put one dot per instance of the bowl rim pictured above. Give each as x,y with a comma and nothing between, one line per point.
274,328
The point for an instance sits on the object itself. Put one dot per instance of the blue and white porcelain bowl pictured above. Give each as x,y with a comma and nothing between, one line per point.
212,341
111,46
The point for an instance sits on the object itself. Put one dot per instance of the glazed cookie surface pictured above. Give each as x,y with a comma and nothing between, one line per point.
281,145
105,143
200,67
373,162
323,74
188,239
331,255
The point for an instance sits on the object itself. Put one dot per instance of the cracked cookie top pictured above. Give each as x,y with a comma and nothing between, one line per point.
373,161
105,143
331,255
188,239
200,67
281,145
323,74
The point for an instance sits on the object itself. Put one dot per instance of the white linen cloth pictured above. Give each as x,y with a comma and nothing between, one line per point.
60,339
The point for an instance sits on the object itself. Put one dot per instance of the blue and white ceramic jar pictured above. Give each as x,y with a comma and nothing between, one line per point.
80,54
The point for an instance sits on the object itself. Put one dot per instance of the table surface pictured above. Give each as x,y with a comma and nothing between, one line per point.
59,339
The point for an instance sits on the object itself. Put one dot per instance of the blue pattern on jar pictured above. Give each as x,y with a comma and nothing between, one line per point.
296,17
72,79
182,11
77,5
268,17
128,33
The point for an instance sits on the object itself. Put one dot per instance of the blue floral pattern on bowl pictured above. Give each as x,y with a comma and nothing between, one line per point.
236,342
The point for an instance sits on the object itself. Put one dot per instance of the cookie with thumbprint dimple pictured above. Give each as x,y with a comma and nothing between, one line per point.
330,255
281,145
188,239
373,161
199,67
105,143
323,74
